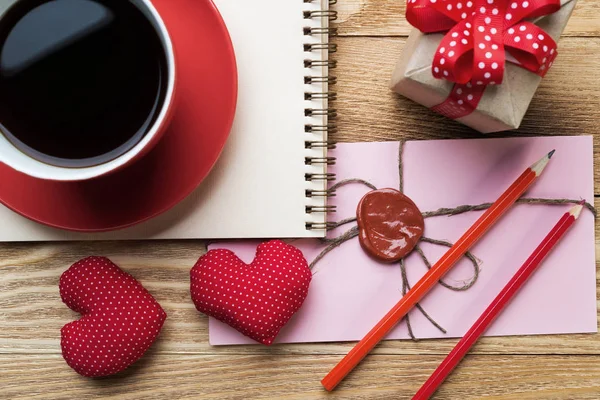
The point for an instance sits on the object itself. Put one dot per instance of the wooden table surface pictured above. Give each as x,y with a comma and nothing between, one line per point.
182,364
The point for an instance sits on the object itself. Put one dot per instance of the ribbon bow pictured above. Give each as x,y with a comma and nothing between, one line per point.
479,35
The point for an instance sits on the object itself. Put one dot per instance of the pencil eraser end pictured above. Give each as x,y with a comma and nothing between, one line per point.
328,383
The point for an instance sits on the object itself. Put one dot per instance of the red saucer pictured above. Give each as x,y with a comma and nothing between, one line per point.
207,95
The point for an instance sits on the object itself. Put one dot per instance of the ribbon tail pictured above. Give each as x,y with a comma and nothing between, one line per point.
463,100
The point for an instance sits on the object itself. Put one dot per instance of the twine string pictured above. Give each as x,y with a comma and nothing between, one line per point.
525,200
474,261
333,243
405,289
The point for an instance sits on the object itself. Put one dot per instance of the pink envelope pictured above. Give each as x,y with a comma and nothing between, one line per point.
350,291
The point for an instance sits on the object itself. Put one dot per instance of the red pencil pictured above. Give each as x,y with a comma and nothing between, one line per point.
499,303
431,278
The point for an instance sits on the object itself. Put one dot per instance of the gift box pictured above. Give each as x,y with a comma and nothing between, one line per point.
476,63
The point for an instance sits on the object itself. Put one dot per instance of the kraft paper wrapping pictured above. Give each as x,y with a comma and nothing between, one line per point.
502,107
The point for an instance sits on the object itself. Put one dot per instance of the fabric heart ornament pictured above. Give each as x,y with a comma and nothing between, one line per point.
120,319
257,299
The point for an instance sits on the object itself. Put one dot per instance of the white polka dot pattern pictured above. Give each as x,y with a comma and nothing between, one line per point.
479,32
462,101
256,299
120,319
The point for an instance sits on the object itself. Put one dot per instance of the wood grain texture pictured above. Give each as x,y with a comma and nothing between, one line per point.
386,18
181,364
297,377
31,311
369,110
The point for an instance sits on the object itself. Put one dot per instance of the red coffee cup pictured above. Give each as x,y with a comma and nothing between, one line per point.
25,163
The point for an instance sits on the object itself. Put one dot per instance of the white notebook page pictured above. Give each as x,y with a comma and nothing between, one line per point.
257,189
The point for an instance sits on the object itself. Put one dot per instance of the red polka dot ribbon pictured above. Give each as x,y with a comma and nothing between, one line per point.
479,35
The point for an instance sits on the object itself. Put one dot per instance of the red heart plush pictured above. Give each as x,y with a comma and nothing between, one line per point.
120,319
257,299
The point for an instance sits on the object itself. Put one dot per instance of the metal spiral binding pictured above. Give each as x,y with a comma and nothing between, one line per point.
320,160
330,112
320,209
320,226
319,144
319,177
320,193
331,80
320,31
331,64
324,95
332,15
330,47
327,113
330,128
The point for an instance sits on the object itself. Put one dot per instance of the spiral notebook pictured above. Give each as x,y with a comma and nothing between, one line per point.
271,178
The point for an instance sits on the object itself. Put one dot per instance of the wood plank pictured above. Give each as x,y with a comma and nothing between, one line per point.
369,111
387,18
31,311
298,377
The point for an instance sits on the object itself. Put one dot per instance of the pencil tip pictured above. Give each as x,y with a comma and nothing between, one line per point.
576,211
539,166
582,202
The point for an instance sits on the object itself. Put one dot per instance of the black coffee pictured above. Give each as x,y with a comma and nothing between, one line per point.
80,80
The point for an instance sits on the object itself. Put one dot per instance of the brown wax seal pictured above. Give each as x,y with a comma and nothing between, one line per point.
390,224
